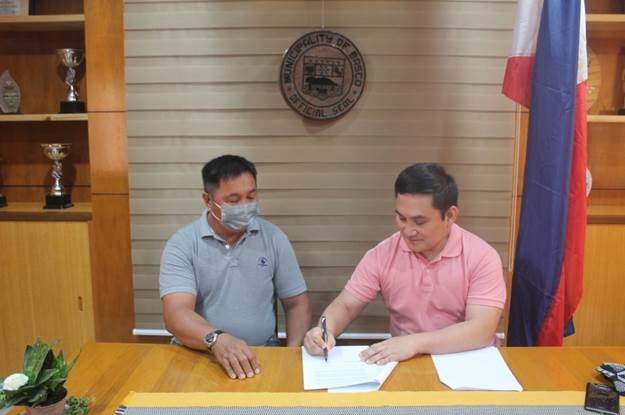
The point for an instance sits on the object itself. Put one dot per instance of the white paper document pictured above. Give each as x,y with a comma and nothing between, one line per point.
344,371
482,369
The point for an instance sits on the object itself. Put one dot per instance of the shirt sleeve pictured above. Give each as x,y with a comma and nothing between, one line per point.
288,278
177,273
487,286
364,283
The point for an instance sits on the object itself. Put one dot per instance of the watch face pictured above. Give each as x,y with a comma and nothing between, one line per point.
210,339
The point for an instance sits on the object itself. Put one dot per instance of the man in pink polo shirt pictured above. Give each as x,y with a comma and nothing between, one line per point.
443,286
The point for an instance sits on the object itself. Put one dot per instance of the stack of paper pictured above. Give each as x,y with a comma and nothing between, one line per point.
344,371
482,369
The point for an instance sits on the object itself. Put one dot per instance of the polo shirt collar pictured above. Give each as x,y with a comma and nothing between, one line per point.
452,248
207,231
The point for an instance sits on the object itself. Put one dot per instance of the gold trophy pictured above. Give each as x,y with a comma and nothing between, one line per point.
57,198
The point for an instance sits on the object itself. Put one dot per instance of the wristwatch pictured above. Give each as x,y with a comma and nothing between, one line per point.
211,338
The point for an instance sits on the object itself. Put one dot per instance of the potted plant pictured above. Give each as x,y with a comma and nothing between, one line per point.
39,387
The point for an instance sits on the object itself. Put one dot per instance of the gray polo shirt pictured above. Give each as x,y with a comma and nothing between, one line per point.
234,285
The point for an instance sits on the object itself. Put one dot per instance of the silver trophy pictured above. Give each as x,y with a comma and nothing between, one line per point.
57,198
71,58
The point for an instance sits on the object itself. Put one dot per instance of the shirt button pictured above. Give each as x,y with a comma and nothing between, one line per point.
227,246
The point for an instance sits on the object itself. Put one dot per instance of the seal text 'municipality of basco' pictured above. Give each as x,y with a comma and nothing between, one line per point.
322,75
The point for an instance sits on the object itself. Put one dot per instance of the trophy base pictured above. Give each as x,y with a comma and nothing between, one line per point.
3,201
71,107
58,202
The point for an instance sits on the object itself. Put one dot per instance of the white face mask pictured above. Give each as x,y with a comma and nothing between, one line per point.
237,217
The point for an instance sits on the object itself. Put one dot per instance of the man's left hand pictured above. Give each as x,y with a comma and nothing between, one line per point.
394,349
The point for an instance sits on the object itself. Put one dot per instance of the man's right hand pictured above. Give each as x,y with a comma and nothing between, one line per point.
314,344
235,357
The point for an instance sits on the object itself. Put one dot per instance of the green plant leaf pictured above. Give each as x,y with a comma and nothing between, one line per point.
35,357
39,397
77,406
47,374
17,397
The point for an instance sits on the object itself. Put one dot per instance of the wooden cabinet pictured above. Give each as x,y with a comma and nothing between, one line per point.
95,172
46,288
600,318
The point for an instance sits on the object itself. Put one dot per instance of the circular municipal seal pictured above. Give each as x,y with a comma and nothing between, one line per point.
322,75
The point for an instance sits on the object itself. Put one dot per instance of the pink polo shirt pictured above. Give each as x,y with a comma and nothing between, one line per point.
424,296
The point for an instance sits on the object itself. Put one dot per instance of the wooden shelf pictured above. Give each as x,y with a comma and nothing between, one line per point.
610,214
31,211
43,117
594,118
605,25
50,22
605,18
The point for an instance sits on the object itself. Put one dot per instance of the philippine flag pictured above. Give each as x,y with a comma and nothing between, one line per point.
547,73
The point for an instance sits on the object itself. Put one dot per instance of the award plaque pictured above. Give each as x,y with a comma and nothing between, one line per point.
71,58
57,198
10,95
13,7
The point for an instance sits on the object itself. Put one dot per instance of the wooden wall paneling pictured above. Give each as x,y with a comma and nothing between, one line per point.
391,69
47,288
521,148
357,123
108,145
104,32
599,319
202,82
111,268
57,7
31,59
522,118
112,280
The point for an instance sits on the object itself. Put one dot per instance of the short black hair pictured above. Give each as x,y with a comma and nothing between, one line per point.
429,178
225,167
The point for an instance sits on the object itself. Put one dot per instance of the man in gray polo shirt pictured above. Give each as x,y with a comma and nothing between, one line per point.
220,274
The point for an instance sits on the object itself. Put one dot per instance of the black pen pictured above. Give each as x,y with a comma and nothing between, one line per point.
324,327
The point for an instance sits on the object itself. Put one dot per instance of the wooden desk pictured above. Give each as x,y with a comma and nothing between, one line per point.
108,371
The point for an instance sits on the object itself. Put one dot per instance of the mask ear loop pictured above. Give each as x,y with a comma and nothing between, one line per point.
210,211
